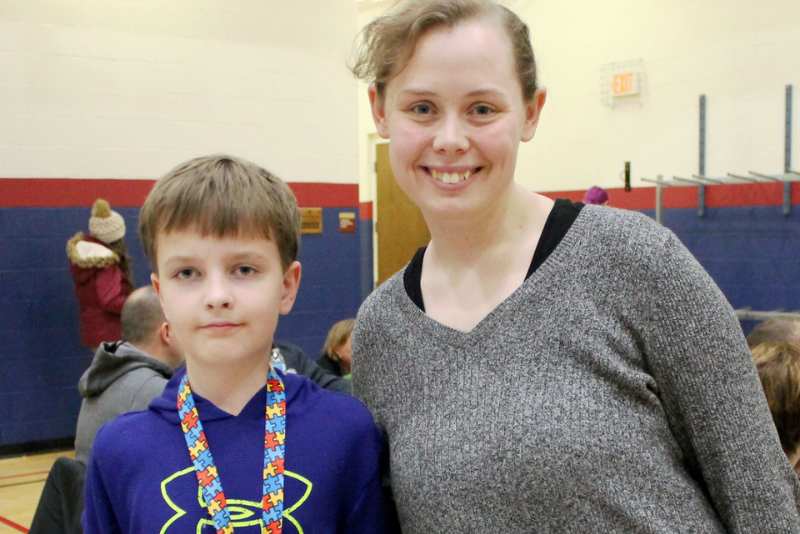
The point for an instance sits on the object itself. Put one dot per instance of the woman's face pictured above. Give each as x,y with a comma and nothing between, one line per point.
455,116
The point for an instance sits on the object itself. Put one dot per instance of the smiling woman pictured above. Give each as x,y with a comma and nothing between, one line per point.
455,138
541,348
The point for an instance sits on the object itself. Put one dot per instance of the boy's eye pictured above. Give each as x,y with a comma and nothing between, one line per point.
245,270
186,274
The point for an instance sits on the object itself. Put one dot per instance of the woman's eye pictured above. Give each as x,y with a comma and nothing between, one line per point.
422,108
482,109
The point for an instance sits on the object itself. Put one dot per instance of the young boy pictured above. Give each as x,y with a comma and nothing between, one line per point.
209,455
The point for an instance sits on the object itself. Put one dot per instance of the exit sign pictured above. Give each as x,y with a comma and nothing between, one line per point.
625,84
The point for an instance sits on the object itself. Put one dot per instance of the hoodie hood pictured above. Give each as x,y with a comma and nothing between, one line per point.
166,406
86,252
111,361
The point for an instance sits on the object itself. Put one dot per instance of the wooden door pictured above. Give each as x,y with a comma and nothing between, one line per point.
400,228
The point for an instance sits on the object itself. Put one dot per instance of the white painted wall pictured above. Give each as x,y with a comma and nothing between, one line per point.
740,54
129,88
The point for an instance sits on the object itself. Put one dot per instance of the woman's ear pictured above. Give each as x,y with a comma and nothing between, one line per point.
533,110
377,103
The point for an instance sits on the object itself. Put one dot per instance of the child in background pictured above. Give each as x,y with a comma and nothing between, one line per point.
774,329
596,195
337,353
232,442
778,365
101,270
543,366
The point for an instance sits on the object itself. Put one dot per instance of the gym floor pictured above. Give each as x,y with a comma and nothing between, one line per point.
21,482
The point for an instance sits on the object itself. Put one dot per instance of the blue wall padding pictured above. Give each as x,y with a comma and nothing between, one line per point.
41,358
752,253
367,276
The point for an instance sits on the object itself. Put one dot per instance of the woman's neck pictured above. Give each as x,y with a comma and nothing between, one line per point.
229,387
460,242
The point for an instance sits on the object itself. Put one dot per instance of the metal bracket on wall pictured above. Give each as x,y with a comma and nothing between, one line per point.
700,180
701,190
787,178
787,198
701,164
787,152
659,181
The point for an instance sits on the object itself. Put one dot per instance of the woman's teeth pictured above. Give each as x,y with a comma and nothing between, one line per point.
450,177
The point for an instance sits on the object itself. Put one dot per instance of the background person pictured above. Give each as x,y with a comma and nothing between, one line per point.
596,195
778,365
774,330
101,270
290,358
124,376
337,353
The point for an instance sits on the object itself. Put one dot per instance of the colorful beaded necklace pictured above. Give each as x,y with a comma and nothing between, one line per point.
206,470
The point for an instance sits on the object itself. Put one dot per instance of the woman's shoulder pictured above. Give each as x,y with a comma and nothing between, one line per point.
604,230
385,314
383,299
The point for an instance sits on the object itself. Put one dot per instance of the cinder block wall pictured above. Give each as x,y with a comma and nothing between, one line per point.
100,101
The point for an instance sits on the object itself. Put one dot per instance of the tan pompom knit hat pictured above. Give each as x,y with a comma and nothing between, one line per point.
105,224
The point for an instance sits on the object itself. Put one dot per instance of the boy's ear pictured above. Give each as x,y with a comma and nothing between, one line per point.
378,105
533,110
165,334
291,283
154,281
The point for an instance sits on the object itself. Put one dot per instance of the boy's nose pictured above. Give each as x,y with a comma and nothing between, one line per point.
218,294
450,136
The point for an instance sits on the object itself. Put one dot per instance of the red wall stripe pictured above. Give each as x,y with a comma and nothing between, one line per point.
717,196
365,211
81,192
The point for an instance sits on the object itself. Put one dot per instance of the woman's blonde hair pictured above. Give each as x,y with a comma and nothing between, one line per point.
387,43
778,365
337,336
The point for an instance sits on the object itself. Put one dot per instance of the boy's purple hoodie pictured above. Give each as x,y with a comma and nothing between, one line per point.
141,479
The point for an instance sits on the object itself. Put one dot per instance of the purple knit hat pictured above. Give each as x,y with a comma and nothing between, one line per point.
595,195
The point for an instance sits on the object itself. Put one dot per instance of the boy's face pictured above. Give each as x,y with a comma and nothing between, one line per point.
222,296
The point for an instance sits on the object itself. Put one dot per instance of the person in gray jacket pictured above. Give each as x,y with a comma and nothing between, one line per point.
126,375
290,358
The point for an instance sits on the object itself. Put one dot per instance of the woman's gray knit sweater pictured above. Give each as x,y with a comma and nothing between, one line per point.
611,392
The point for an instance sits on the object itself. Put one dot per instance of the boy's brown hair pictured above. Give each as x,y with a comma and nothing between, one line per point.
778,365
221,196
388,42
